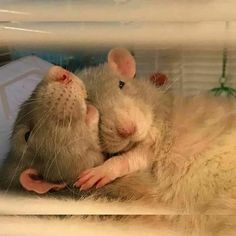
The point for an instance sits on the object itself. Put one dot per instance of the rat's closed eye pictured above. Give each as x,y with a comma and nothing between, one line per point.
121,84
27,135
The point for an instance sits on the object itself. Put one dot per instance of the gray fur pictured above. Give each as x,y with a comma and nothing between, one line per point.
59,149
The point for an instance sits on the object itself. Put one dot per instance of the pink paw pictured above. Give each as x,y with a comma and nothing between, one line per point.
97,176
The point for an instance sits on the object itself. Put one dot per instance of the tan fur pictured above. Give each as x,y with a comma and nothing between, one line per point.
190,141
199,164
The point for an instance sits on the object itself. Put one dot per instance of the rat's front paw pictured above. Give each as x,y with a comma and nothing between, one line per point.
97,176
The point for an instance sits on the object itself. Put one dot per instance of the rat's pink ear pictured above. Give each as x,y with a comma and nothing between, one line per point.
121,61
31,181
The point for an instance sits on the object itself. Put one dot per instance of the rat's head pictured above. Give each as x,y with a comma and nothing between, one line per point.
62,95
124,117
56,130
58,104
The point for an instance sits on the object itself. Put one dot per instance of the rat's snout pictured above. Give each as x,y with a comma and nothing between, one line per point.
64,94
64,78
126,130
59,74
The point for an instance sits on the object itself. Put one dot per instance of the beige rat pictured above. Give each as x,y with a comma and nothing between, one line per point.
188,141
128,111
54,137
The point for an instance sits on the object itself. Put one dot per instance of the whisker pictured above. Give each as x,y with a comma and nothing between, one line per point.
22,156
50,162
170,85
54,160
30,112
31,101
14,174
57,153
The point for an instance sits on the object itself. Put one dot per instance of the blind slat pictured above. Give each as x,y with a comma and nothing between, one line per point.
155,35
118,10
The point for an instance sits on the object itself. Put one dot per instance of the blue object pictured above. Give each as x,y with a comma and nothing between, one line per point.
69,59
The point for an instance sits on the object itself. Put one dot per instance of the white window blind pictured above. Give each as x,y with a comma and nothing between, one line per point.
118,22
162,33
118,10
190,71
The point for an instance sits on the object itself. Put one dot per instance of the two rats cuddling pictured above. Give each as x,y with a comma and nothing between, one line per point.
179,151
55,139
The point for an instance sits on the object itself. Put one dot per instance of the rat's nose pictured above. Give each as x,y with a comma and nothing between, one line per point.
59,74
126,131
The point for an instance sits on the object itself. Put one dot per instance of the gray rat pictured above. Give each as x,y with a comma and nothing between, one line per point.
189,142
54,137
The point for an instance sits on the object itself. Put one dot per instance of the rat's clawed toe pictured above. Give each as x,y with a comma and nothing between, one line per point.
97,176
105,180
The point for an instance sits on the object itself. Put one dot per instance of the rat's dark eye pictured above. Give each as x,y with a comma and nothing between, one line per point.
121,84
27,136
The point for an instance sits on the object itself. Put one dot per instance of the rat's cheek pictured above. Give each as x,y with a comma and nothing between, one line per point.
92,115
